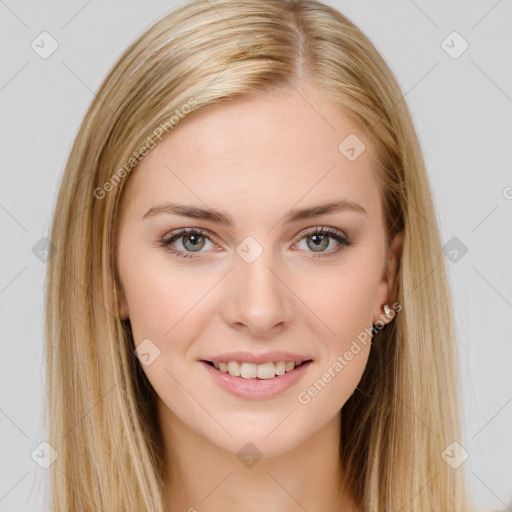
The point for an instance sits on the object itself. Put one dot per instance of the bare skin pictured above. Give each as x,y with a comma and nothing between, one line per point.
254,159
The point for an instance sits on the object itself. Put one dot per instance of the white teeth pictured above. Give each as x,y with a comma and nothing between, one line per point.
266,371
248,370
252,370
234,368
290,365
280,367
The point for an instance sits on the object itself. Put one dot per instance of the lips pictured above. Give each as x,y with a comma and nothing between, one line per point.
256,388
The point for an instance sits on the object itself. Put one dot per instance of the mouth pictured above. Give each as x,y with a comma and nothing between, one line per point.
256,381
263,371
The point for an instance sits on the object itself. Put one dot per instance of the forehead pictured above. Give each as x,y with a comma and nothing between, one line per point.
260,152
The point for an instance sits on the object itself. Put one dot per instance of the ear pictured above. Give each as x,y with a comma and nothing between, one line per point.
386,286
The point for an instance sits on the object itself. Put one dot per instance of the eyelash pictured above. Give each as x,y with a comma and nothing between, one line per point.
332,233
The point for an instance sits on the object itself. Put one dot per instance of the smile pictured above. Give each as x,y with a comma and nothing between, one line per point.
252,371
249,384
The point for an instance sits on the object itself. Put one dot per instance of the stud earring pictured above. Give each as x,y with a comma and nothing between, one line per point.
387,310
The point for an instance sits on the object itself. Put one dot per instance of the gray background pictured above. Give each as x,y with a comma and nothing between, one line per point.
462,108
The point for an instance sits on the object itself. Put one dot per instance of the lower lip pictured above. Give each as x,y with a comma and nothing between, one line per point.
257,388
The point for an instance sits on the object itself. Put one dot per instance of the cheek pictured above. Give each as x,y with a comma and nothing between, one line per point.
164,305
342,301
344,306
158,297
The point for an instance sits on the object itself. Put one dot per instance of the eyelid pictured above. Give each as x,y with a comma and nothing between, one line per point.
177,233
326,229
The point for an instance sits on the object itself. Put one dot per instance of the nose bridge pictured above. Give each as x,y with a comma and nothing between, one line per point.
258,298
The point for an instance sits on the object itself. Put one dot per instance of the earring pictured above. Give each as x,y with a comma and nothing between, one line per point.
387,310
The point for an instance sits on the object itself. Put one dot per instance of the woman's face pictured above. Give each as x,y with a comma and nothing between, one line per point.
245,176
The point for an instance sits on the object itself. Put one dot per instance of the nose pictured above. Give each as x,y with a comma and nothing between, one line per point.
257,299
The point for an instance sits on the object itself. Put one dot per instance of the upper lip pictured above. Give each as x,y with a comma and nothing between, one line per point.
249,357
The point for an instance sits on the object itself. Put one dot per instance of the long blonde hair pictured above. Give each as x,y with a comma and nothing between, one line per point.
100,410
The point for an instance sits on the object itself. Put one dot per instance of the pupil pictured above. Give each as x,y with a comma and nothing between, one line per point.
319,241
193,240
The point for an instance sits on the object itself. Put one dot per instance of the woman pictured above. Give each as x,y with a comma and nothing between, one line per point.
247,307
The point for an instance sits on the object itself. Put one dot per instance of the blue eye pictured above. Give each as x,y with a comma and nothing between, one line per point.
321,237
193,241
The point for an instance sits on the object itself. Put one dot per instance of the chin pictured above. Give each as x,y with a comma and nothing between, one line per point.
257,442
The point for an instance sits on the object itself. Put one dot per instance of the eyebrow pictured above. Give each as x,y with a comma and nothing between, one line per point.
226,219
